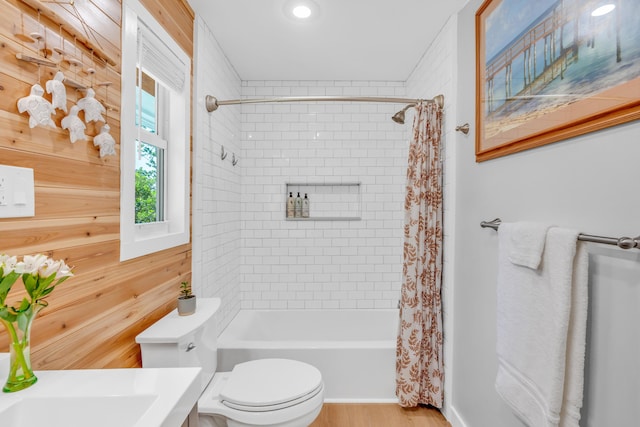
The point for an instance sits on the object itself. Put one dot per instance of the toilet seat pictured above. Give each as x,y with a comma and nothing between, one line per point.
268,408
270,384
264,401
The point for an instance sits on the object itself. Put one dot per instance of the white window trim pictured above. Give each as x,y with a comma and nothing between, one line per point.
142,239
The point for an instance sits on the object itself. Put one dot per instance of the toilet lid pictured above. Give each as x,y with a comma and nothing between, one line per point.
265,383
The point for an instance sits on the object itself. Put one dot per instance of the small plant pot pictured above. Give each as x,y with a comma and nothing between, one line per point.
186,305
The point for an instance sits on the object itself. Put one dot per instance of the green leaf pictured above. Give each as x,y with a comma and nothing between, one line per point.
30,282
23,320
42,284
24,305
46,292
6,284
5,314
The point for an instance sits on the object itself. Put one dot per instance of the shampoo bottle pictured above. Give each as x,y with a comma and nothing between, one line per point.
305,206
290,205
297,212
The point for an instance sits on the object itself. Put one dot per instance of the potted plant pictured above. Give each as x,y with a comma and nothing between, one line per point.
186,300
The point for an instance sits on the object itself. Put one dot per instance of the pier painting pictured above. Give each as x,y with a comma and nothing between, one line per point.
552,69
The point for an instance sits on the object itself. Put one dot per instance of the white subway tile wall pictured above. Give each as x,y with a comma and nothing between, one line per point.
216,182
244,250
322,264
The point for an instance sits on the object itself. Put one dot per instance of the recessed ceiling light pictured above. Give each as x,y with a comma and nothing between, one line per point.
603,10
301,11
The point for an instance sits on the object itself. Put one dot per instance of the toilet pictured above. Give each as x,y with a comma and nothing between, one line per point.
264,392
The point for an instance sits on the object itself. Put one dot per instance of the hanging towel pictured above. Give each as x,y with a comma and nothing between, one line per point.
525,242
576,340
541,324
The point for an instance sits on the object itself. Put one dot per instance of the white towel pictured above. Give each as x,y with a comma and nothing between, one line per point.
576,340
541,323
525,242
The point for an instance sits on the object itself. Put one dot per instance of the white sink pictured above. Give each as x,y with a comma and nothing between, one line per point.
104,411
102,398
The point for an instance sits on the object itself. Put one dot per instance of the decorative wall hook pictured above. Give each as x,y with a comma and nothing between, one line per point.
234,161
223,155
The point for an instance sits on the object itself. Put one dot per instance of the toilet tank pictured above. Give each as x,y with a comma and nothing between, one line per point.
183,341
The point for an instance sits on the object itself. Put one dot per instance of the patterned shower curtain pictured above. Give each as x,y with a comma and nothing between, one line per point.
419,369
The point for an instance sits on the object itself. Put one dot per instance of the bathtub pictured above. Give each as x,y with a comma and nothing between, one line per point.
354,349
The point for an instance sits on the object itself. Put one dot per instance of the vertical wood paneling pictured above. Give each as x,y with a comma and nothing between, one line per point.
92,318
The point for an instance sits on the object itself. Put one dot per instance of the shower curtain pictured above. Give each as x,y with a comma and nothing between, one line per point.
419,369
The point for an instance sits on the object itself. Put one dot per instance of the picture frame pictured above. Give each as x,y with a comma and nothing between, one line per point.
548,70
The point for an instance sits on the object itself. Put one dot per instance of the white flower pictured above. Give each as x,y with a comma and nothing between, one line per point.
21,267
7,264
32,263
63,270
39,275
48,268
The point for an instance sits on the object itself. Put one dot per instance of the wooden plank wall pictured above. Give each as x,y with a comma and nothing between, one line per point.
92,318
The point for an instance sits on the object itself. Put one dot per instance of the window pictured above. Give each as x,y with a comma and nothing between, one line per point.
150,151
155,148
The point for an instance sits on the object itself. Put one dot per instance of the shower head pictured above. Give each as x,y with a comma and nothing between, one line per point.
399,116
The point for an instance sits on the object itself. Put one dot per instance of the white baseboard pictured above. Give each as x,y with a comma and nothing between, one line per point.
454,418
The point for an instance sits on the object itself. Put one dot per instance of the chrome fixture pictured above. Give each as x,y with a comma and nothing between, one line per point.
463,128
621,242
399,116
212,103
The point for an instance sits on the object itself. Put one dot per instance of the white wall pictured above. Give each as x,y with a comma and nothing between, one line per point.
436,73
322,264
216,182
589,183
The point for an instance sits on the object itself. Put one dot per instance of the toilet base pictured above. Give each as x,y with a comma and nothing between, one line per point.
211,421
207,420
212,413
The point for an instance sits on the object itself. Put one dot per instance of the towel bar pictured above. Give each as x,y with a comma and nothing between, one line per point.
622,242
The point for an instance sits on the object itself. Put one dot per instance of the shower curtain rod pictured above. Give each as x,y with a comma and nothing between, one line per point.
622,242
212,103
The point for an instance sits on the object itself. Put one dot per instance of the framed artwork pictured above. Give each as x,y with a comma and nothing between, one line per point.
547,70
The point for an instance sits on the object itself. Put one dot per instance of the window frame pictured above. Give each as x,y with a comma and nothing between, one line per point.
173,126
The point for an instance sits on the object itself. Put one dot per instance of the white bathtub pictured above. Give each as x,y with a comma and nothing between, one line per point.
354,349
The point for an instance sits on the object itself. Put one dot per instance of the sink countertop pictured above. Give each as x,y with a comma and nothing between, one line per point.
170,393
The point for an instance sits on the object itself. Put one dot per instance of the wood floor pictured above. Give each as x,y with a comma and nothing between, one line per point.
377,415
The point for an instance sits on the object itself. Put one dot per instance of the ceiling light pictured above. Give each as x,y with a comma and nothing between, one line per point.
603,10
301,11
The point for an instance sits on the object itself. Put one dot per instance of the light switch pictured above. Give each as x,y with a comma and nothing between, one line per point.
17,195
19,198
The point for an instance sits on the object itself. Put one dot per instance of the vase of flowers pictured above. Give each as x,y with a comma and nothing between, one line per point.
186,300
39,275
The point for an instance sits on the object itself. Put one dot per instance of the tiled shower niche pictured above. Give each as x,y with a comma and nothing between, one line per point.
327,201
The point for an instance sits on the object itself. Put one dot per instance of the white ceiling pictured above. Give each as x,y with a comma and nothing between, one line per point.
348,40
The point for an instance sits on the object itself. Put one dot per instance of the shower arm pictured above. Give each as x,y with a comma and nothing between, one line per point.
212,103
